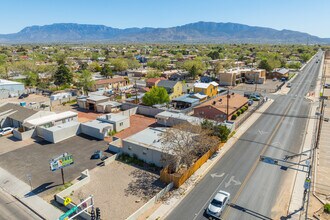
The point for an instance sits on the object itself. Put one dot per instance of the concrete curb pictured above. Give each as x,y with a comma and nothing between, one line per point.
164,210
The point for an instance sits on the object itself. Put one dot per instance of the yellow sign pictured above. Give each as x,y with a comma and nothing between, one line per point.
67,201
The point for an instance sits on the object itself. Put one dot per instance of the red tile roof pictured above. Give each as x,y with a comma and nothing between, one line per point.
108,81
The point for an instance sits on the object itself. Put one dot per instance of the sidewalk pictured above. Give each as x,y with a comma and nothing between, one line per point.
296,204
21,190
165,208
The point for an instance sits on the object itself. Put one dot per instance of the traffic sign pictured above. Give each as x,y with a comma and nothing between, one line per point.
68,213
268,160
67,201
307,183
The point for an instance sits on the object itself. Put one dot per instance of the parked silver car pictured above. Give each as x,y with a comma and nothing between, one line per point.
5,131
218,204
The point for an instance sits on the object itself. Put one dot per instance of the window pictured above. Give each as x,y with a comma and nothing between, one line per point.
121,123
144,152
129,148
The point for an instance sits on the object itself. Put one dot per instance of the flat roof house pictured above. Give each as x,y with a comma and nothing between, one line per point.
119,121
7,87
216,108
114,84
146,145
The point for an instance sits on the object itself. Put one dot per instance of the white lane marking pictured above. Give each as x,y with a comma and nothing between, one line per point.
213,175
232,179
208,200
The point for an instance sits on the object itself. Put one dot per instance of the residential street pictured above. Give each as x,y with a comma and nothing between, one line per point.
10,208
258,190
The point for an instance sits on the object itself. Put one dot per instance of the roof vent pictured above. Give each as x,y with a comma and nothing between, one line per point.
214,103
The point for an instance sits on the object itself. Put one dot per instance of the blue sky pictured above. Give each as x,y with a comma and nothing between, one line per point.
311,16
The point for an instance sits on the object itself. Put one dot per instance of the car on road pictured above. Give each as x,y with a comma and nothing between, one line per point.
289,85
327,85
254,97
6,130
250,102
274,79
218,204
249,82
24,95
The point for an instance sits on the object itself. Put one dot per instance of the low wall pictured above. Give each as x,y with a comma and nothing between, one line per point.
150,203
179,179
24,135
115,145
141,109
83,180
60,101
111,159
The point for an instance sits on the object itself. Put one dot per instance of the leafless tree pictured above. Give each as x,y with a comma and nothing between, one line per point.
184,143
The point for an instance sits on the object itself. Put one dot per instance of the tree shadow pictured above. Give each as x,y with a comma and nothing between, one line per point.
144,184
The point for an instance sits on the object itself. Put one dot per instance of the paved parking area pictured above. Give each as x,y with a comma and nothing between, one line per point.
268,87
119,189
9,143
34,160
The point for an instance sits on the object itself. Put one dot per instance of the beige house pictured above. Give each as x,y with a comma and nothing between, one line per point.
232,77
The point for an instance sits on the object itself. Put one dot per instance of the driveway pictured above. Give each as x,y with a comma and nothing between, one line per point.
33,160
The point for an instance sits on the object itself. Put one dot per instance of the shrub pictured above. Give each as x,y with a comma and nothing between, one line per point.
238,113
233,117
327,208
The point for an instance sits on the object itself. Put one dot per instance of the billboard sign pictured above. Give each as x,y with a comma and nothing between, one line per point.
61,161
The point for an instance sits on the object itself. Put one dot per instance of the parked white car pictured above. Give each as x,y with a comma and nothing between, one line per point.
5,131
218,204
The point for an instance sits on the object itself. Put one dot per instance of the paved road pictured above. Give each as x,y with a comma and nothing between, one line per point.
254,185
10,208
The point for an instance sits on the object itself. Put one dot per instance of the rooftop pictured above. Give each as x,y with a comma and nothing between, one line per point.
51,118
181,116
7,82
61,126
167,83
205,85
235,102
186,98
16,112
96,98
113,117
98,124
109,81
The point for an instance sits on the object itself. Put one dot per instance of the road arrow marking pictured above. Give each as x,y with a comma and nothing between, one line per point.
262,132
232,179
213,175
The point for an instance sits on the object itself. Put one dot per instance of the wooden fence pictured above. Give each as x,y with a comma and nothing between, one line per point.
177,178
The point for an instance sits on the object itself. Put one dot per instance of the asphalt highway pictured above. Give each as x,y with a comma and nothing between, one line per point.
255,186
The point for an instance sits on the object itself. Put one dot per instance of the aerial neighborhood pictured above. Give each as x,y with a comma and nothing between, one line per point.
126,125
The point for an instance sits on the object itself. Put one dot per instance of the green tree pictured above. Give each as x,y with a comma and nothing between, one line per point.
32,79
156,95
214,55
133,64
86,81
160,64
106,71
153,74
194,67
63,76
119,64
264,65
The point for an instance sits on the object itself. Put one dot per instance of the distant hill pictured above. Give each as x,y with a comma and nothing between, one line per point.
200,32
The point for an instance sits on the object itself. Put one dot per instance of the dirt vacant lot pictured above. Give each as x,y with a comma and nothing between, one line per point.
119,189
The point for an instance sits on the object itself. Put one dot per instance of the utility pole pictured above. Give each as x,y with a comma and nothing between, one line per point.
136,98
228,96
255,82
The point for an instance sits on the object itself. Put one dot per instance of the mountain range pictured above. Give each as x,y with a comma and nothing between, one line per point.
199,32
